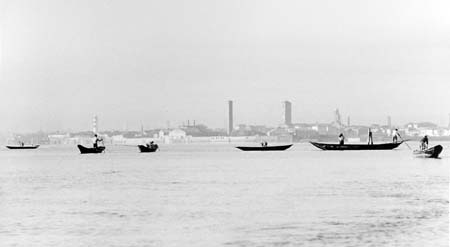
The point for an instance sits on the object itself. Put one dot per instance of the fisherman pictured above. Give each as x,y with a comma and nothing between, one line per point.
97,140
370,142
341,139
265,144
424,143
395,136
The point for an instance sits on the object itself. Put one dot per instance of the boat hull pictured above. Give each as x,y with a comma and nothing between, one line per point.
268,148
23,147
145,149
85,150
432,152
337,147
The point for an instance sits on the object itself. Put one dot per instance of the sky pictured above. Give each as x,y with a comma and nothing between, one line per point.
165,62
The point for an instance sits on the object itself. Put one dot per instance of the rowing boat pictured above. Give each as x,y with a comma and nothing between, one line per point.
23,147
382,146
432,152
85,150
145,149
266,148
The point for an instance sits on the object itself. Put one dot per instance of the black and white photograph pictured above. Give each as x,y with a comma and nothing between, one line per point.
228,123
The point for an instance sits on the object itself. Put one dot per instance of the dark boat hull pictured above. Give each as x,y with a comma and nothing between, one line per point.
383,146
85,150
268,148
145,149
432,152
23,147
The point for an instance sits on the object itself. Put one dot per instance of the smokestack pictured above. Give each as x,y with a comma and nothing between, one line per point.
230,117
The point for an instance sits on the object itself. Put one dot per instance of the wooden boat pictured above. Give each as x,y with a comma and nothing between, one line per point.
22,147
266,148
85,150
145,149
432,152
382,146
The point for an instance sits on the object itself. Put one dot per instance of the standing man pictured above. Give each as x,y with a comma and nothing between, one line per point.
395,136
370,142
424,143
97,140
341,139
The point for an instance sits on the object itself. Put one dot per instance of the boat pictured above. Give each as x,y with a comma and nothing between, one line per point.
22,146
85,150
145,149
432,152
266,148
330,146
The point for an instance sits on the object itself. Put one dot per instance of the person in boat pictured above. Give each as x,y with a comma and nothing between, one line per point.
22,143
97,140
370,142
341,139
395,136
424,143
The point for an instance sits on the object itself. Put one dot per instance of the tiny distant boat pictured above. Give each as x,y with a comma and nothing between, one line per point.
382,146
145,149
22,146
85,150
432,152
266,148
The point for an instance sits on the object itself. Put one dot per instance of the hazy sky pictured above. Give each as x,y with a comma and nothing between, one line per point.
149,62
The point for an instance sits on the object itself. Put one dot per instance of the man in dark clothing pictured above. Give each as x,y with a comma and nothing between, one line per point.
97,140
370,142
424,143
341,139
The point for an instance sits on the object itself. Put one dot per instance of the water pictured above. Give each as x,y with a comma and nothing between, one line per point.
215,195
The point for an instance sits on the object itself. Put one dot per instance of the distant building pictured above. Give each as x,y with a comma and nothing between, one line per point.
389,123
348,121
287,113
95,124
230,117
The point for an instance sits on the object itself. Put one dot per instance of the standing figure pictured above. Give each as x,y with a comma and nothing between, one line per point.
370,142
395,136
97,140
341,139
424,143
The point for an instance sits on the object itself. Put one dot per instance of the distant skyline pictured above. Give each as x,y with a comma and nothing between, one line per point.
149,62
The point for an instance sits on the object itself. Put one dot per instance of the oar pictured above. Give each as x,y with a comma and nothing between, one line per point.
405,143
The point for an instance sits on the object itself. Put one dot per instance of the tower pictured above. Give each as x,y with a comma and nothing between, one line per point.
95,124
230,117
337,117
287,113
348,121
389,123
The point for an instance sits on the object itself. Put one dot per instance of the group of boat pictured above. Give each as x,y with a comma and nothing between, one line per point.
432,152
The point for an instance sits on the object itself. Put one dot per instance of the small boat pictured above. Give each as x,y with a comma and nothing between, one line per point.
145,149
22,146
85,150
266,148
432,152
382,146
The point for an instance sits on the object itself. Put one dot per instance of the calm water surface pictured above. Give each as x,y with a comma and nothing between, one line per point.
215,195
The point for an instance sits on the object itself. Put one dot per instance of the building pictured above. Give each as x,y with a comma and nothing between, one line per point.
287,113
95,124
230,117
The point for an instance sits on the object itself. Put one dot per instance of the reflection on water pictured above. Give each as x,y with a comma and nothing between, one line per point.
214,195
